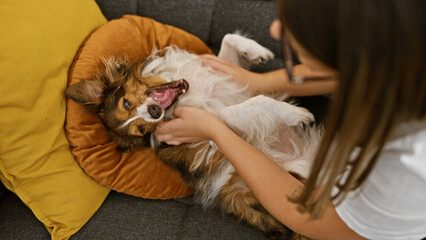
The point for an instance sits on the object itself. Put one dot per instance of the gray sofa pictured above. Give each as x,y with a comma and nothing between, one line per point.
127,217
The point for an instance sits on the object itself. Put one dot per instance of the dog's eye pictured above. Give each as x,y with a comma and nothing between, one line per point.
126,104
141,129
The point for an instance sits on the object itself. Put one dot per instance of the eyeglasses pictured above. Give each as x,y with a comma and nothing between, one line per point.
289,64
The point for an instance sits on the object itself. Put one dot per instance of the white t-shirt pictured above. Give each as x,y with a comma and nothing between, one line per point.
391,204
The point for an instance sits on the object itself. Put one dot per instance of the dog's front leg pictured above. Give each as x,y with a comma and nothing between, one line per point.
243,51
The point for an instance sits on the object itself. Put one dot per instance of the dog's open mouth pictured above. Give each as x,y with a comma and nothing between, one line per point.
167,94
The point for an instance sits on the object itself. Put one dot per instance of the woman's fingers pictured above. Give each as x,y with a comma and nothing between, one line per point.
164,133
210,57
186,127
216,63
178,112
169,139
190,125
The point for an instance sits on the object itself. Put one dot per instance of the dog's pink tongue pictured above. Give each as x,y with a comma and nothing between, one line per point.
164,97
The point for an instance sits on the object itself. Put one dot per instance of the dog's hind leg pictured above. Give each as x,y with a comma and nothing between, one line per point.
243,51
237,199
263,114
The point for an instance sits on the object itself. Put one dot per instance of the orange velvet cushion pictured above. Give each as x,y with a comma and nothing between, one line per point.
140,172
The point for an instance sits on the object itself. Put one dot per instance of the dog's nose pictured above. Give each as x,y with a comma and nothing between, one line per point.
155,111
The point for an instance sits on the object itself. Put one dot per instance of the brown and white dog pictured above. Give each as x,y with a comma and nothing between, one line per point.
132,98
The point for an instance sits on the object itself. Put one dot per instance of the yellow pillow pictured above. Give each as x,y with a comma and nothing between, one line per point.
38,42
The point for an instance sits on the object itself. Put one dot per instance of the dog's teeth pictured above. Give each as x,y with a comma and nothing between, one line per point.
184,91
155,98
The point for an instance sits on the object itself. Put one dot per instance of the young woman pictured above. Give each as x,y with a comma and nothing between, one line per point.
369,176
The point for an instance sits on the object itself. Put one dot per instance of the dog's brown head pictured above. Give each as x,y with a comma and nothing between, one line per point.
129,104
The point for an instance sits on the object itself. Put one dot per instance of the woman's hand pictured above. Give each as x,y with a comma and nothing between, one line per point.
238,74
190,125
275,81
257,83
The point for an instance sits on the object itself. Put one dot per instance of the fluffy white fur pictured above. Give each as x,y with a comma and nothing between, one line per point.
272,126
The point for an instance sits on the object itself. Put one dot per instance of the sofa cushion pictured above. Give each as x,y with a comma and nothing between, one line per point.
127,217
139,172
3,191
38,42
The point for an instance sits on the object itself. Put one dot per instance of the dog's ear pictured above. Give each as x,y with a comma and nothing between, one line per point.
88,93
116,69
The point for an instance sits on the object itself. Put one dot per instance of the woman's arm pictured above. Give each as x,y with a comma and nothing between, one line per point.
270,183
277,81
271,82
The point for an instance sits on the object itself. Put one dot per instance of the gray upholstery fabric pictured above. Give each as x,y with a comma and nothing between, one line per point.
17,221
210,20
3,192
127,217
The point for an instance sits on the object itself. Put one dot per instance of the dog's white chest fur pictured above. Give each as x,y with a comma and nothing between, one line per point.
207,90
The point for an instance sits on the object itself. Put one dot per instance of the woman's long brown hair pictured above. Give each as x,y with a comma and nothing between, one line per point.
378,48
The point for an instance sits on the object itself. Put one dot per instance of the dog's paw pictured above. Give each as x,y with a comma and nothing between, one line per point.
248,49
255,53
294,115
